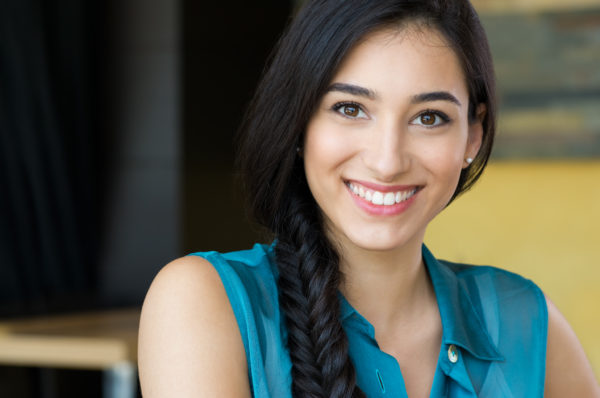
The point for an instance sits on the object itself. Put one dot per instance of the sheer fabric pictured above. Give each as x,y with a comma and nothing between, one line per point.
494,331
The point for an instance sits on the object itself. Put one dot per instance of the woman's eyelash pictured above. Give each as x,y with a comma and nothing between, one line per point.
338,105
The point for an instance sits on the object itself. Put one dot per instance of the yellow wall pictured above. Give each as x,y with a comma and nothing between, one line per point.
538,219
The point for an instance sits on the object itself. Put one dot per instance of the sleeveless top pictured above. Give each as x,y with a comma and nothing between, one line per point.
494,331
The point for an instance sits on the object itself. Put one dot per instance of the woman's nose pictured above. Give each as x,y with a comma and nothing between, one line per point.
387,153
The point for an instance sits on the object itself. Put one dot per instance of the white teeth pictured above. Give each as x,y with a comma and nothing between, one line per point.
389,199
377,198
380,198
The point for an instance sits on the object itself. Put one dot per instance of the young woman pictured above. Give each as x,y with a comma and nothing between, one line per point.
373,116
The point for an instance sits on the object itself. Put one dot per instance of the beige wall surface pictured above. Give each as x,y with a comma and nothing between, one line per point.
540,220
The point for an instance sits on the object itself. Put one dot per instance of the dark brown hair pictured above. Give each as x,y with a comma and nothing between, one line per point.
303,65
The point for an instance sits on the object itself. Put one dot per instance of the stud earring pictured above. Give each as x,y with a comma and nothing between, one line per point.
469,160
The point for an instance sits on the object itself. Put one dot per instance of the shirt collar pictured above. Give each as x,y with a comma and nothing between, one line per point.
345,308
461,323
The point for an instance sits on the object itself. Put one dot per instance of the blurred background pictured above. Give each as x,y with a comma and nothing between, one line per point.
116,156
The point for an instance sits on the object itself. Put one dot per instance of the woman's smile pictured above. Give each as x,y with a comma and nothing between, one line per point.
380,199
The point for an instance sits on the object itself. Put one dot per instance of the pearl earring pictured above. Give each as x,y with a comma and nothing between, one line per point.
469,160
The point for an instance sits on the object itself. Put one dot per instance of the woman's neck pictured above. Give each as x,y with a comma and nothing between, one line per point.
388,288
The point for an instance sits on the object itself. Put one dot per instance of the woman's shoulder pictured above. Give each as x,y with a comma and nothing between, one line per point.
233,294
256,262
188,335
506,302
204,275
249,277
493,281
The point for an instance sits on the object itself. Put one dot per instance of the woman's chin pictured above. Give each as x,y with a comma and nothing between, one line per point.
381,242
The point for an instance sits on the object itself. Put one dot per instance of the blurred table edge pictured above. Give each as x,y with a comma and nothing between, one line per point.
97,340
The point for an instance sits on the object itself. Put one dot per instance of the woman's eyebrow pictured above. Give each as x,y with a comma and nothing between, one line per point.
435,96
416,99
352,89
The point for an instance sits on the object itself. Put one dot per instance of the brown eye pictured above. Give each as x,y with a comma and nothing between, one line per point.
431,119
428,119
351,110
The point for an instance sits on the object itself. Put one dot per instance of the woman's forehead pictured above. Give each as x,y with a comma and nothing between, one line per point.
407,58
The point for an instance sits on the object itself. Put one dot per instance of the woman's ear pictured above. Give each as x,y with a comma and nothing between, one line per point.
475,135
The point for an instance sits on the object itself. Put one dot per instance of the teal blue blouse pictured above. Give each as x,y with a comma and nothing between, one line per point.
494,331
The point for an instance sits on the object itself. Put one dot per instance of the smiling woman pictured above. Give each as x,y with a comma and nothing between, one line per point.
371,118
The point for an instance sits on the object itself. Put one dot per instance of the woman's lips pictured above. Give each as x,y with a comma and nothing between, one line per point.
386,200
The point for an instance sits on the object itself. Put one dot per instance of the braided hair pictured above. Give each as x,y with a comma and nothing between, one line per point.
301,67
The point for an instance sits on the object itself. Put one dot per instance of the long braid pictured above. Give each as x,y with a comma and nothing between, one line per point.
308,283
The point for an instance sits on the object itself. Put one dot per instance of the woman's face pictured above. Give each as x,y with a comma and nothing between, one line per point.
384,150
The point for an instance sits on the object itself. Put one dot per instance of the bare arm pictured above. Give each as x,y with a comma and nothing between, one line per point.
568,371
189,341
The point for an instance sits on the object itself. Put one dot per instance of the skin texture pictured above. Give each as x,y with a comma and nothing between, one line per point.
189,338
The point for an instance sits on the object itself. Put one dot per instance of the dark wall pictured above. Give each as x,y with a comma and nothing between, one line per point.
51,202
116,134
225,46
178,79
142,230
